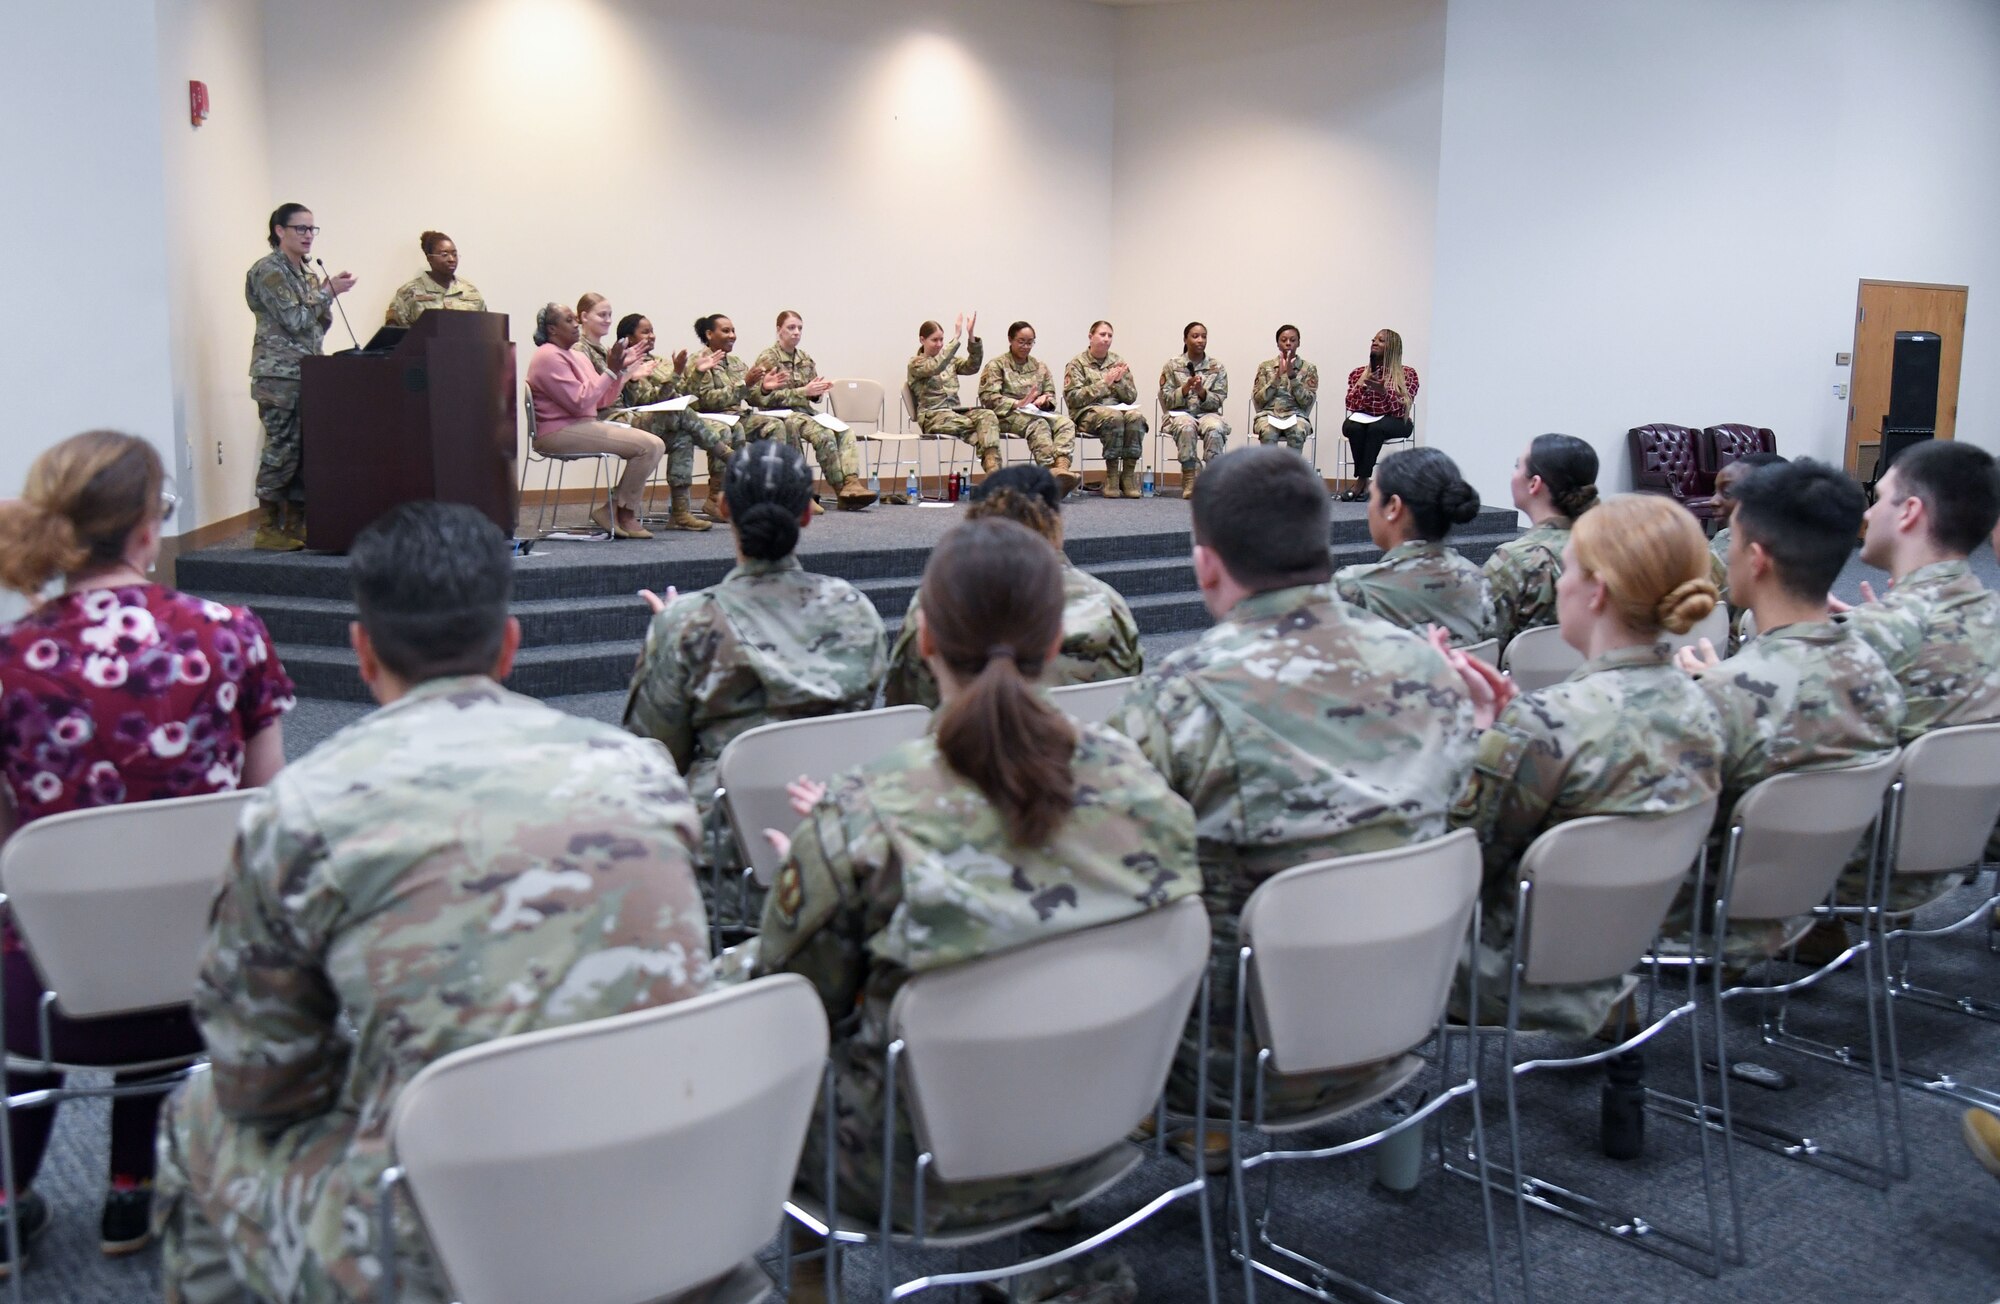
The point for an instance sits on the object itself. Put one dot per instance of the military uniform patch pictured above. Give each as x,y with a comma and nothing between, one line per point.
788,894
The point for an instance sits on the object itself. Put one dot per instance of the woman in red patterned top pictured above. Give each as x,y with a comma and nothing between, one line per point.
1378,405
115,690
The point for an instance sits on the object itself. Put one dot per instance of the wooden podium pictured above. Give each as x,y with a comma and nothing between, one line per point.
432,417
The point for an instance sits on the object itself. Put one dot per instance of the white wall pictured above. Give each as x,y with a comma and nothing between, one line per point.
1661,212
866,164
218,180
1275,162
83,342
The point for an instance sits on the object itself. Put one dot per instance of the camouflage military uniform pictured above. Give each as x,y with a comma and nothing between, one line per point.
933,386
1100,641
421,293
462,865
838,455
719,391
1086,391
1273,395
1200,433
1004,383
1299,729
682,432
1938,630
599,356
293,309
1419,583
1627,734
906,868
771,642
1808,696
1521,578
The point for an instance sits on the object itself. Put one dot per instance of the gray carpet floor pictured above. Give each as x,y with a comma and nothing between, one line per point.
1811,1235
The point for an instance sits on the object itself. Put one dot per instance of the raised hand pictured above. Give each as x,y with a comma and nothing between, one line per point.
972,323
804,794
1285,364
681,360
818,385
1116,373
656,601
958,327
614,357
1698,658
708,360
1489,690
776,380
341,282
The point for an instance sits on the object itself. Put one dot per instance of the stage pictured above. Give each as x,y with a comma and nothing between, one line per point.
582,622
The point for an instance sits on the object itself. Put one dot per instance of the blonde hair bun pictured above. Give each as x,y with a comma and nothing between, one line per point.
1685,607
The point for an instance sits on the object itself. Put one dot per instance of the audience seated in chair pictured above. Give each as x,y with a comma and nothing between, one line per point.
1416,497
1298,727
1100,639
1007,825
1808,692
1554,483
462,865
1627,734
117,690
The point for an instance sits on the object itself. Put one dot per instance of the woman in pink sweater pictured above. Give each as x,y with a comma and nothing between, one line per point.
568,391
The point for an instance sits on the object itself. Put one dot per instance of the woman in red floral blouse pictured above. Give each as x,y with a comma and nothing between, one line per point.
1378,406
115,690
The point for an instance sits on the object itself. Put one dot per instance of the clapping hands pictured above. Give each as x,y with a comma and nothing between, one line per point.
804,794
1489,690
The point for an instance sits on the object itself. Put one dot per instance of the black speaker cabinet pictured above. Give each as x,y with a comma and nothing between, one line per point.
1913,381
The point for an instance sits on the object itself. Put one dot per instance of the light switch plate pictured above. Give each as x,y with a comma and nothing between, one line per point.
1843,359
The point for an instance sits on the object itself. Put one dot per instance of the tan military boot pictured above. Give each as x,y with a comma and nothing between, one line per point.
989,461
1133,489
1114,484
295,522
853,495
680,514
718,470
1066,479
271,535
1189,474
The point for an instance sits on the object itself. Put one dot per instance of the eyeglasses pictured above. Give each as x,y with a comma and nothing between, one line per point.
306,230
168,501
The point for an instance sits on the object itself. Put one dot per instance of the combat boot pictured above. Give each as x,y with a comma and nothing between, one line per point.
680,514
1114,484
295,522
718,469
1066,479
1133,489
271,534
989,461
1190,472
853,494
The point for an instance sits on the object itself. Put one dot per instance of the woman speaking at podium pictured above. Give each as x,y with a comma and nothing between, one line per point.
438,286
293,309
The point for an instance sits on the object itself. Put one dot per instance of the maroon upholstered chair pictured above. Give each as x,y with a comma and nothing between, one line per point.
1721,445
1665,460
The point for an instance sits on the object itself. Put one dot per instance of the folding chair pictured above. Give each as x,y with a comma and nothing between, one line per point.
1714,627
1538,657
630,1158
1311,416
950,452
603,467
1347,963
755,766
1028,1060
110,933
1591,897
1486,649
1091,703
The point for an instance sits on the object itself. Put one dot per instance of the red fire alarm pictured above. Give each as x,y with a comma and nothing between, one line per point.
197,102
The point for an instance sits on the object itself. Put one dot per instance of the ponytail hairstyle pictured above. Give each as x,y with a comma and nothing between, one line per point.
768,488
992,600
430,240
282,215
1435,494
1392,365
1024,493
703,325
1652,558
1568,468
83,499
587,302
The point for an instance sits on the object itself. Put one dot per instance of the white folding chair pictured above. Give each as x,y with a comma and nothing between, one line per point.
1028,1060
950,451
1714,627
1486,649
110,932
1346,963
1592,894
1091,703
1538,657
864,406
604,468
630,1158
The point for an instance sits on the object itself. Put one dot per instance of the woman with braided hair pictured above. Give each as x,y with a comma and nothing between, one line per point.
772,641
1100,640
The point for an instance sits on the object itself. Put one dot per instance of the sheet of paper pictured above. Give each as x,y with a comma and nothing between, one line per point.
1178,412
726,418
835,424
1283,423
1119,407
665,405
775,412
1363,418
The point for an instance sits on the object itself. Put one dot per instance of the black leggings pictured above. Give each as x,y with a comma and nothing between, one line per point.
1367,437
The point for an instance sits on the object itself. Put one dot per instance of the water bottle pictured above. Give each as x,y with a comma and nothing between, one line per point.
1399,1159
951,488
1623,1134
1146,484
915,488
875,483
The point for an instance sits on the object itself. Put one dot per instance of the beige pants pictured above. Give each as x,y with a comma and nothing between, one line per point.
641,451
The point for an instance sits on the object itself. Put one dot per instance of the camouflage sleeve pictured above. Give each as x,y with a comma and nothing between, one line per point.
402,307
713,390
992,394
815,921
1738,714
975,353
792,396
658,705
1172,389
266,1007
1218,391
909,682
662,382
1126,390
1305,388
1347,584
1143,717
1124,651
1079,391
923,368
475,301
295,314
1264,390
1503,591
1896,637
1515,779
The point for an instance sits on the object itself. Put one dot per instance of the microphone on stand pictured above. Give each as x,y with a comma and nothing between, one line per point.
337,304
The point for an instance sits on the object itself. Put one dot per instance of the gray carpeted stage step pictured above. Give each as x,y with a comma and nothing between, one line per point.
582,623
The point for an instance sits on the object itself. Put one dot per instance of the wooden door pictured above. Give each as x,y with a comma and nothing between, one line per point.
1882,309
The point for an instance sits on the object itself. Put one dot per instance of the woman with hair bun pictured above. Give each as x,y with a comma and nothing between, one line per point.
116,690
1100,640
439,286
1006,825
772,641
1554,483
1628,733
1416,497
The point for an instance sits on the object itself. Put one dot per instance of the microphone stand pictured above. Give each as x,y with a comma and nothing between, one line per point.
342,307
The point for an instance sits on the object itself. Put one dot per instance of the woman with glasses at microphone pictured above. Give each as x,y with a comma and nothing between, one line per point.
293,308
